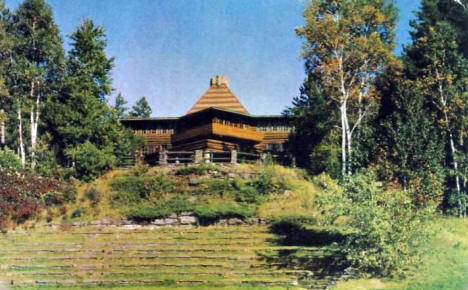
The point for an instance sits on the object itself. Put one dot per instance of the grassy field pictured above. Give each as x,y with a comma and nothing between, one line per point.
198,257
444,267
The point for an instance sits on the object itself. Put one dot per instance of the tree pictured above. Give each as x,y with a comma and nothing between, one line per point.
39,52
88,62
141,109
120,103
454,12
348,44
410,150
79,114
434,57
310,142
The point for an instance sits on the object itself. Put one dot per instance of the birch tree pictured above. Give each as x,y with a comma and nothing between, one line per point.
347,44
40,46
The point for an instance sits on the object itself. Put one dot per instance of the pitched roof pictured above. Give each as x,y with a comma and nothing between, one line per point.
219,96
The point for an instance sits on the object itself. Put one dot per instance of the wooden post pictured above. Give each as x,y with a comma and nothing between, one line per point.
162,157
198,156
234,157
207,156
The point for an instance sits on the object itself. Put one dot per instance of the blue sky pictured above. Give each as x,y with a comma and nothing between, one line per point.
167,50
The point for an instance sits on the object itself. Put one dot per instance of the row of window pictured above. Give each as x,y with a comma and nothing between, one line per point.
282,128
155,131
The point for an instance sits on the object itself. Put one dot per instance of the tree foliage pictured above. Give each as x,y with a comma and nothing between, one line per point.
348,43
141,109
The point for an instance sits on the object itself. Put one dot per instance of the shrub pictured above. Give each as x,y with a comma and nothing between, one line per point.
9,161
386,228
197,170
67,194
130,189
148,212
89,161
219,186
20,195
78,212
93,195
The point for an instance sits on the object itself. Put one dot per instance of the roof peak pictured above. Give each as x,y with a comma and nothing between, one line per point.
218,81
219,95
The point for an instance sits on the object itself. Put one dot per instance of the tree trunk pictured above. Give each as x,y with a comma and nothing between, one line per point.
20,133
34,124
2,132
343,141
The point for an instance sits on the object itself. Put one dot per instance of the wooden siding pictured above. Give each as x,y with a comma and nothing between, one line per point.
221,130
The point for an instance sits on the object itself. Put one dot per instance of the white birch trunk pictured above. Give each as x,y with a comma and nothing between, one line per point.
34,124
20,133
343,142
2,130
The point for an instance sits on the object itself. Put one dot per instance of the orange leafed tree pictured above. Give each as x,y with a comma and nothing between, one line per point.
348,43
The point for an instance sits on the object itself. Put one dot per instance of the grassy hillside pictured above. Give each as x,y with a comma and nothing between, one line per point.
209,192
231,257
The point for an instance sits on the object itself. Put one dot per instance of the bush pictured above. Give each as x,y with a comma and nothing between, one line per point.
78,212
131,189
148,212
68,194
386,229
89,161
21,195
9,161
93,195
207,212
197,170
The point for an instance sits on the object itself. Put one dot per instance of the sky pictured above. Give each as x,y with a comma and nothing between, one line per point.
167,50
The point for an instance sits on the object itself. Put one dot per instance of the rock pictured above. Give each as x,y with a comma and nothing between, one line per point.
262,222
235,221
131,227
287,192
194,182
173,216
186,214
188,220
252,221
222,222
159,222
231,175
192,199
171,221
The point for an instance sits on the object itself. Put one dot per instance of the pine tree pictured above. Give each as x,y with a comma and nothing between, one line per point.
141,109
80,116
120,107
311,143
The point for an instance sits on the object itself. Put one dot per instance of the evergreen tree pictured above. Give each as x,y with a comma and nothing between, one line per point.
88,62
454,12
141,109
120,103
80,116
313,143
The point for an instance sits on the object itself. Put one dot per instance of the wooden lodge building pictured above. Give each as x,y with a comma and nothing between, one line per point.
218,122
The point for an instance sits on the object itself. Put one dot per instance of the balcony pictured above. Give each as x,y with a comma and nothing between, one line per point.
219,130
